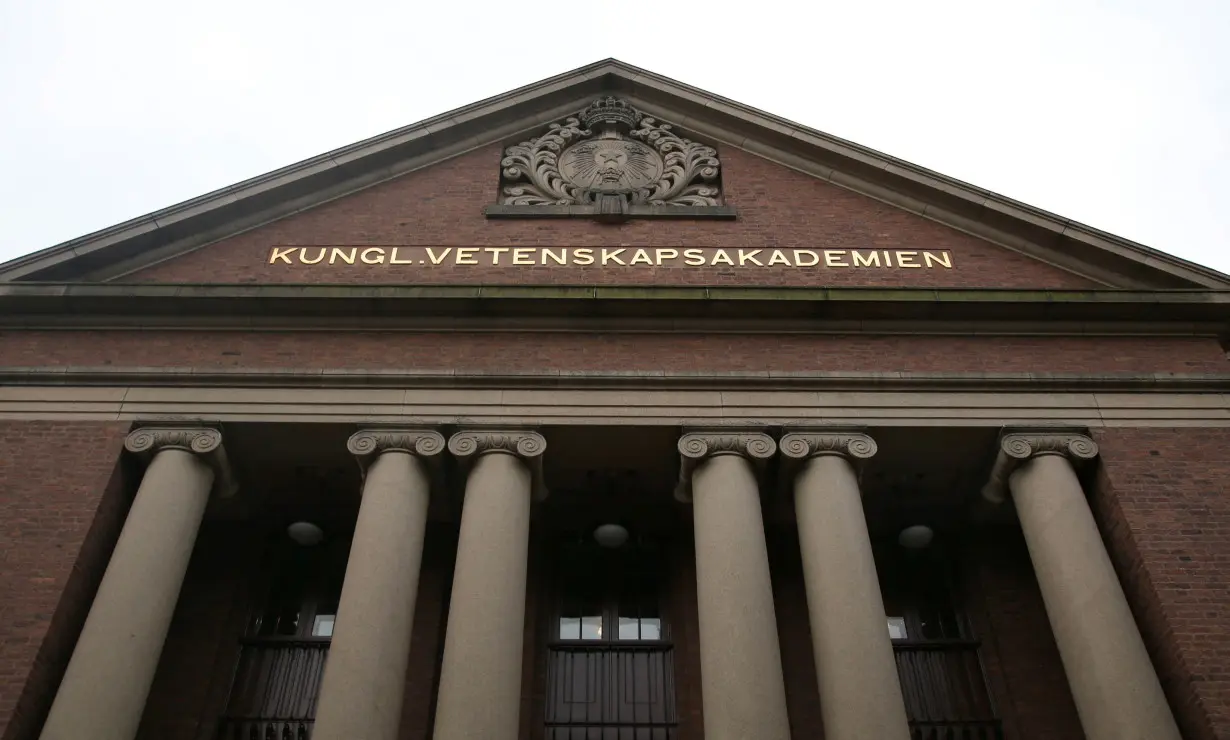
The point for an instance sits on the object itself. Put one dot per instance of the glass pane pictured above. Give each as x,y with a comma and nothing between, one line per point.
651,628
569,628
323,625
591,628
896,628
628,629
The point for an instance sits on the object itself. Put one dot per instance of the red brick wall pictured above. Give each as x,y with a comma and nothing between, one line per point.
1161,499
443,206
569,351
1019,653
62,503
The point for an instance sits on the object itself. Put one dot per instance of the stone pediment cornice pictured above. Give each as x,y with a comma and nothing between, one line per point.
129,246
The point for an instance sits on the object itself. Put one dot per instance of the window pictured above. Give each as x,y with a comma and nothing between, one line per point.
611,663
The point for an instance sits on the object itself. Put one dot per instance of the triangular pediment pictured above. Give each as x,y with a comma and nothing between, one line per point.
802,167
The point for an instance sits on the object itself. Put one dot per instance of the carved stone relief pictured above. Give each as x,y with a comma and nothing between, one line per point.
202,441
613,158
1018,445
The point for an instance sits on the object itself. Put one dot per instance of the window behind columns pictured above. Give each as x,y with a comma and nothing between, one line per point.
281,658
937,653
610,664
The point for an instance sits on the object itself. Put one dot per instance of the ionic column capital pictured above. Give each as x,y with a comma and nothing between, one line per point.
202,441
370,443
1019,445
696,445
526,444
852,444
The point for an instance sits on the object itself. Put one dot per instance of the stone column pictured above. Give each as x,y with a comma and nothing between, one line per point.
480,679
860,693
365,676
740,661
112,667
1117,692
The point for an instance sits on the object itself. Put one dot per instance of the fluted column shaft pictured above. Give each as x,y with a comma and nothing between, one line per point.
743,692
103,693
860,692
365,676
1116,690
480,680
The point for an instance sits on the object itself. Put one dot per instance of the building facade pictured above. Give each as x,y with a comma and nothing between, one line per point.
609,409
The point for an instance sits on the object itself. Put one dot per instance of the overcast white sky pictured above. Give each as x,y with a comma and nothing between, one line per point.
1115,113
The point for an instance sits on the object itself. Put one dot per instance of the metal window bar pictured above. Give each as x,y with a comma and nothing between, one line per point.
611,691
945,690
274,692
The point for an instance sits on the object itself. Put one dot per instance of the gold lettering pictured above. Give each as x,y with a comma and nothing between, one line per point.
379,260
277,254
495,254
746,256
337,252
944,259
584,256
523,256
799,254
832,258
888,259
777,258
394,261
431,255
902,258
465,256
861,261
303,256
613,256
665,254
560,259
721,256
693,257
641,257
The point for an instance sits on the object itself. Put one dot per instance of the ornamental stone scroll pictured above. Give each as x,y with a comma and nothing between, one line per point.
205,442
1018,445
799,445
697,445
368,444
526,444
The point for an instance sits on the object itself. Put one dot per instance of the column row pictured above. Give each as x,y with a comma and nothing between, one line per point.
105,687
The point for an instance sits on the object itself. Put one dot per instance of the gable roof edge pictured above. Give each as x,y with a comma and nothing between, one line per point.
1040,234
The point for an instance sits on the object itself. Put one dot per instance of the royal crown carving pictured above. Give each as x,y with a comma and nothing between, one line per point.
204,442
1017,446
610,154
526,444
696,446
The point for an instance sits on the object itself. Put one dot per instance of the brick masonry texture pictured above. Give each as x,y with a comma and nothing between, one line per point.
62,503
1160,496
443,206
526,352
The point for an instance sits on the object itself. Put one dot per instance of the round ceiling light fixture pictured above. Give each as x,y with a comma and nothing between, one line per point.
915,537
611,535
305,533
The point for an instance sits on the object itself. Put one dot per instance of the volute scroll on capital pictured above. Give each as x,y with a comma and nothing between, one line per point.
368,444
526,444
205,442
698,445
1018,446
855,445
